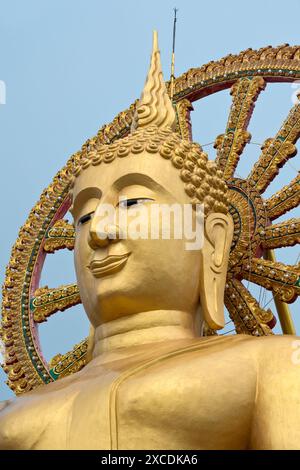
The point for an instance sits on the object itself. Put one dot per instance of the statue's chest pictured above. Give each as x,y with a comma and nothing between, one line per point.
183,401
177,402
186,402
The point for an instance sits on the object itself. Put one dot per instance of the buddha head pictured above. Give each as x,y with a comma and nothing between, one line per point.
124,275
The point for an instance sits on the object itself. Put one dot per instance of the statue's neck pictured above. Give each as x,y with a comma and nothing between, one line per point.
143,328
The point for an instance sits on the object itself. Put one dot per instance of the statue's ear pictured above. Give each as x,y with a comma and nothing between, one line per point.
218,231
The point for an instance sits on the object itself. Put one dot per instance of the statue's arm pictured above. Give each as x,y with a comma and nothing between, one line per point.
276,418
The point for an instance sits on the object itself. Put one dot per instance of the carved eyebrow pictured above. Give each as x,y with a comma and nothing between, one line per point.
83,196
139,179
125,180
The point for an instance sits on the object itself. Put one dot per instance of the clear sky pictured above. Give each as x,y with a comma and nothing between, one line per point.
70,66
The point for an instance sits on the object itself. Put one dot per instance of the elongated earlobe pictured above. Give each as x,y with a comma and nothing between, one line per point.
214,261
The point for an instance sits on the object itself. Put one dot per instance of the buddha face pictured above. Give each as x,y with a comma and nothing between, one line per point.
128,275
118,277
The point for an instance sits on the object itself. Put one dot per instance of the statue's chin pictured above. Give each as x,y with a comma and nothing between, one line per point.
111,299
114,299
134,290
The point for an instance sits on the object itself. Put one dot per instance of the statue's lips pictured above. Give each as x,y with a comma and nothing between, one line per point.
108,265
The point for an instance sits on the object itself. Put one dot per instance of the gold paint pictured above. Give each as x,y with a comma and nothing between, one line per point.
248,317
117,400
154,106
47,301
61,235
249,217
277,151
283,234
282,279
74,361
123,397
284,62
184,126
283,310
284,200
231,144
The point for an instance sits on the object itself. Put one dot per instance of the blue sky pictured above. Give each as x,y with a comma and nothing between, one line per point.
71,66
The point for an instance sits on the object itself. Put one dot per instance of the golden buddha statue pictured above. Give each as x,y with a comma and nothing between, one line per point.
152,379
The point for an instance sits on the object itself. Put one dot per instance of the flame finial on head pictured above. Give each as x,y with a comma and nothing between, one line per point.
154,106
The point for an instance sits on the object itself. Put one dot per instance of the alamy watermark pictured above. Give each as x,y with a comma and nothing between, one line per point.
2,92
2,351
295,97
150,221
296,353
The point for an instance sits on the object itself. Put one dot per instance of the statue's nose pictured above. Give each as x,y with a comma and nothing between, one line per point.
101,236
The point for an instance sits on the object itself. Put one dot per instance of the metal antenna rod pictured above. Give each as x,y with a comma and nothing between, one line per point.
173,55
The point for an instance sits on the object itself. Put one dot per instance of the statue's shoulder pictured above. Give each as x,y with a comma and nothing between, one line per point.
278,351
4,404
260,352
276,359
277,406
271,343
25,420
226,342
275,345
239,347
284,349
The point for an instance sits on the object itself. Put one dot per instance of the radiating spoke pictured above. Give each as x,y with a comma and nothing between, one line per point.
47,301
60,235
280,235
184,125
69,363
284,200
276,151
245,311
231,144
282,279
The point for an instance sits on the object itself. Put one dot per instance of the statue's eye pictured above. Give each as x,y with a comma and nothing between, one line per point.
126,203
85,218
